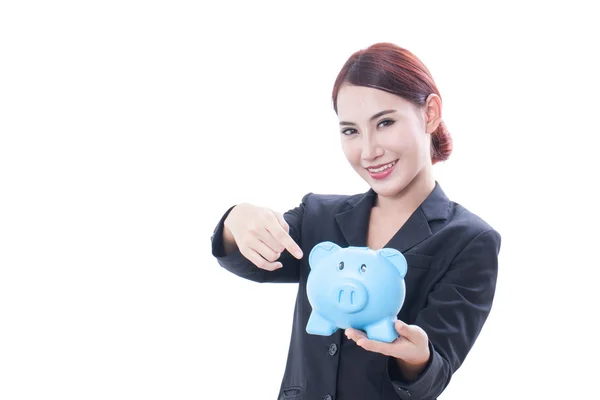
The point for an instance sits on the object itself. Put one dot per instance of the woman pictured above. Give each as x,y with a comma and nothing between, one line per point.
392,133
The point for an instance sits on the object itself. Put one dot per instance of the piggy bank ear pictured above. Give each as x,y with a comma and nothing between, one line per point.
396,258
320,251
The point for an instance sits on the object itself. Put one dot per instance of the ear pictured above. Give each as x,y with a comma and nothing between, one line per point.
433,113
396,258
321,250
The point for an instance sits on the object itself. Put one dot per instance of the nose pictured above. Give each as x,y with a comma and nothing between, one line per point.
370,147
349,296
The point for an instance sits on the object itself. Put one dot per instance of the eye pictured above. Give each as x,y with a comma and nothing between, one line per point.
348,131
363,268
341,265
385,122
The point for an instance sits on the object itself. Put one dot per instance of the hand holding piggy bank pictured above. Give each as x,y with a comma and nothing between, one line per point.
355,287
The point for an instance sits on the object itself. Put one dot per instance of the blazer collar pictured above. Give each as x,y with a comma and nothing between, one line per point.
353,220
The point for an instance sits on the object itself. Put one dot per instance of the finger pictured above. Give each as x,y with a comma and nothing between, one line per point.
355,334
363,341
264,250
259,261
282,221
411,333
267,238
282,236
376,346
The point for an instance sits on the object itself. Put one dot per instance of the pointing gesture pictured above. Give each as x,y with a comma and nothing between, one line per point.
260,234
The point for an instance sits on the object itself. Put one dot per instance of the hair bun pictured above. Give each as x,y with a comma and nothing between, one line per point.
441,144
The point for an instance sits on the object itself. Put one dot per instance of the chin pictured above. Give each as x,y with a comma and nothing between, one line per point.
391,186
388,189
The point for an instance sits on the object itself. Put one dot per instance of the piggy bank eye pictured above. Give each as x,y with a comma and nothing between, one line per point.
341,265
363,268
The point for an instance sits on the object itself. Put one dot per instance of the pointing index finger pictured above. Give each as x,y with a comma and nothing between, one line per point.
286,241
292,246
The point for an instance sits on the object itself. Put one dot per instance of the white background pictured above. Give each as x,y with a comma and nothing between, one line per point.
128,128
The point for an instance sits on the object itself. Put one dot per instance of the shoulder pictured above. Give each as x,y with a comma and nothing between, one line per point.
451,223
461,218
472,230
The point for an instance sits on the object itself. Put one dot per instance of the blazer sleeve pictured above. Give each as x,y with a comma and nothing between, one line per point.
242,267
457,308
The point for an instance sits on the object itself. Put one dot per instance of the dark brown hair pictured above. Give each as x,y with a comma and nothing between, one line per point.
388,67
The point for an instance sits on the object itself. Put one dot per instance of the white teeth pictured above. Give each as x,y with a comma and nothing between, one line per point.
381,169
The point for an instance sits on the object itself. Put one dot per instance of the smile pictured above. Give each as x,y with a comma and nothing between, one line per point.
381,168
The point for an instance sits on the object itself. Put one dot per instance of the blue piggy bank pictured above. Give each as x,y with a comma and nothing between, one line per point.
355,287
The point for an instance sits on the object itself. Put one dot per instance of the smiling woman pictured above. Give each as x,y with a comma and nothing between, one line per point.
395,70
404,104
391,132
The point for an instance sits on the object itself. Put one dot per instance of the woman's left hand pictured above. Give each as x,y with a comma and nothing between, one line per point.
411,348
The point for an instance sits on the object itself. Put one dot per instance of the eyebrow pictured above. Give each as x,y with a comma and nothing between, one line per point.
379,114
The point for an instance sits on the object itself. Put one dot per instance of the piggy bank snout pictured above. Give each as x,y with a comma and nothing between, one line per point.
349,296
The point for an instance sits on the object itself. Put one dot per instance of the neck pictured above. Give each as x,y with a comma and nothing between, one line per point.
411,197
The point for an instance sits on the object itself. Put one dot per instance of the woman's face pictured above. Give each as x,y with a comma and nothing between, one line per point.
384,137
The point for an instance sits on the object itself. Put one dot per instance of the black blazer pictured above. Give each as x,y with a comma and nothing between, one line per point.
452,257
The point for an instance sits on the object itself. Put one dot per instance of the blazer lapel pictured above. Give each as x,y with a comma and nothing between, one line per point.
354,221
414,231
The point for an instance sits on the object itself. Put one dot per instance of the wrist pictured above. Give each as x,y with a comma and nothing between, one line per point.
229,242
412,369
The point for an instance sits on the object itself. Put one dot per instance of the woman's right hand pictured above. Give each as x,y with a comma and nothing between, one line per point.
260,234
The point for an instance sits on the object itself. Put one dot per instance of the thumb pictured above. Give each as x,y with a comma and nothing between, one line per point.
404,330
412,333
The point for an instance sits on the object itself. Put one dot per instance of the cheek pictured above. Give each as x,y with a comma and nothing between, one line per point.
351,151
424,147
409,145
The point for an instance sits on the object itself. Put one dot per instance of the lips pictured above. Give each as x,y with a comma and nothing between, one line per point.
377,169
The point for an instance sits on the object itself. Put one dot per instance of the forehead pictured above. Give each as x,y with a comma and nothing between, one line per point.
360,102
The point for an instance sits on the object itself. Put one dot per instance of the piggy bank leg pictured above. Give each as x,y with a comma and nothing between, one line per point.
382,330
317,325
